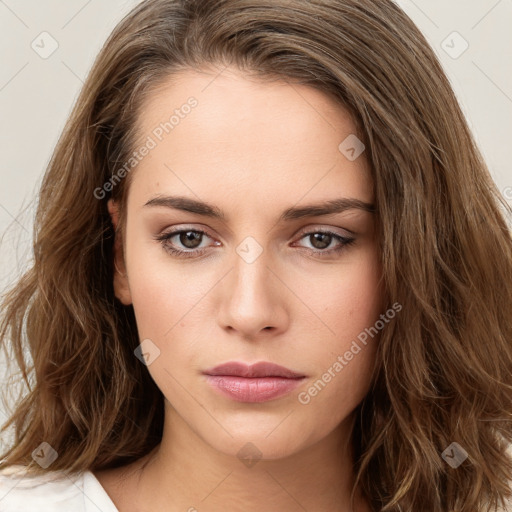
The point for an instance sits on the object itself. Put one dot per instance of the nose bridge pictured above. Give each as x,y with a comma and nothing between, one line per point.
251,276
250,298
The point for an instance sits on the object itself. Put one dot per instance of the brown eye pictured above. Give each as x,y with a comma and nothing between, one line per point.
320,240
190,239
184,243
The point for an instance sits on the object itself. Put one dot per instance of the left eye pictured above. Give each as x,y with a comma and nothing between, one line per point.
190,239
324,239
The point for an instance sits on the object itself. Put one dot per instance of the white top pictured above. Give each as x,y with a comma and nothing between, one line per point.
54,492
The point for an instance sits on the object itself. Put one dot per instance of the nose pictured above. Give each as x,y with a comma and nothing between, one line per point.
253,299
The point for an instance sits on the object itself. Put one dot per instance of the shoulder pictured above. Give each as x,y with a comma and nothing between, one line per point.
55,491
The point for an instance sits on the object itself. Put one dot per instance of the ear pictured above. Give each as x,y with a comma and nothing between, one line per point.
121,285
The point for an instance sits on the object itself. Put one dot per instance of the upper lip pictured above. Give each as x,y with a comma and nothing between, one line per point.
261,369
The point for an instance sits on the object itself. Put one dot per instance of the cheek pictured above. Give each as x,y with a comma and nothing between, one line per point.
344,360
164,300
162,309
162,292
355,301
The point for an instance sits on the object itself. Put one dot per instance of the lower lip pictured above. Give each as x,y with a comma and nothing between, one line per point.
259,389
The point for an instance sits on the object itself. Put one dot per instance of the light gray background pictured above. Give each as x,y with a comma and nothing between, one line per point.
37,94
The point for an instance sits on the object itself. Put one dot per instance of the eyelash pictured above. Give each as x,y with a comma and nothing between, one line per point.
165,238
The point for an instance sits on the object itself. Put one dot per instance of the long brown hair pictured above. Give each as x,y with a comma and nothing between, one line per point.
444,364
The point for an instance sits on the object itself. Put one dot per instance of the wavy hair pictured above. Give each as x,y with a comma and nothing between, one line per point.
444,365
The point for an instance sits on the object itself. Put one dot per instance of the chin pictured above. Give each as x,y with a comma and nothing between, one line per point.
252,446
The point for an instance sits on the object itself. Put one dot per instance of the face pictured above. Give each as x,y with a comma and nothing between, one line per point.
253,276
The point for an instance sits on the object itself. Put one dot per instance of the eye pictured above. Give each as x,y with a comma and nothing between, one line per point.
188,238
321,239
191,240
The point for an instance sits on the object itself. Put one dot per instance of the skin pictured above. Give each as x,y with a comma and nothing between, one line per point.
252,148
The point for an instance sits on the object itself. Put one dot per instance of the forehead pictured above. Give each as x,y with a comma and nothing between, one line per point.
253,137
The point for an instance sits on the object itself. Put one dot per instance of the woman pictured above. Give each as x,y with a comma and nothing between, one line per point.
271,273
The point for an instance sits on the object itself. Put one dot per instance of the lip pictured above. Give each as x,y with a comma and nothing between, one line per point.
259,382
261,369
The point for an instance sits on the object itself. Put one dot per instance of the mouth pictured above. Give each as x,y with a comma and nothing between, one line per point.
259,382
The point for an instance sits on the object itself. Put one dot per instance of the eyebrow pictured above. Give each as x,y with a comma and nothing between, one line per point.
330,207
